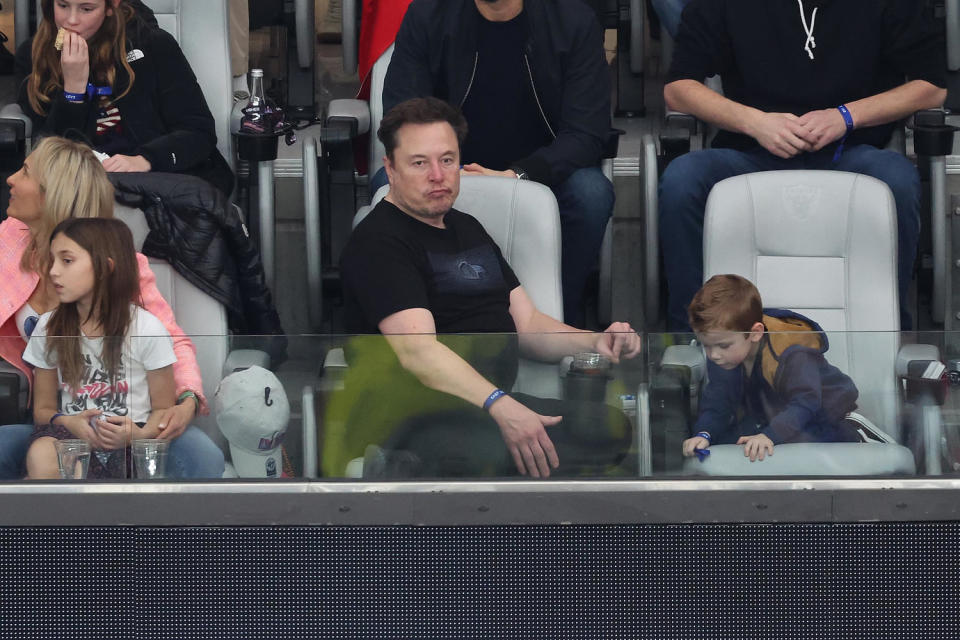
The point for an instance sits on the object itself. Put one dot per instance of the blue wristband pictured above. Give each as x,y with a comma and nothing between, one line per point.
704,435
495,395
847,120
55,416
93,90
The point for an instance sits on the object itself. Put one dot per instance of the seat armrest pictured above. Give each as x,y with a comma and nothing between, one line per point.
910,355
611,146
680,131
681,121
924,382
355,114
244,359
13,111
14,389
335,359
689,356
334,370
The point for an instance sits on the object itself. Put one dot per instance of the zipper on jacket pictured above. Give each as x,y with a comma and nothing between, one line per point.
237,212
476,56
536,97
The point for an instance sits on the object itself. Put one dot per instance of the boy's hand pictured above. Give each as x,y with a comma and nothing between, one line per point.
757,447
696,442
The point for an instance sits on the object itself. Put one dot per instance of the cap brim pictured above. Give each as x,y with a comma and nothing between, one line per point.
253,465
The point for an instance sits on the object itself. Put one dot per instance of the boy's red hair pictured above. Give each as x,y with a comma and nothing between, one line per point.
725,302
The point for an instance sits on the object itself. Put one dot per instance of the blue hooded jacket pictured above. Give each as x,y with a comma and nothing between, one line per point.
792,395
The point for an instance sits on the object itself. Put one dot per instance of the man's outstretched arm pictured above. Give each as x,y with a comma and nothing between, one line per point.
548,340
412,335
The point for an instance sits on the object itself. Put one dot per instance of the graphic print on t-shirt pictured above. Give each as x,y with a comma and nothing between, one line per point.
96,392
469,272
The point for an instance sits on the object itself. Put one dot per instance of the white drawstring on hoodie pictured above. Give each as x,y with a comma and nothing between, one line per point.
810,43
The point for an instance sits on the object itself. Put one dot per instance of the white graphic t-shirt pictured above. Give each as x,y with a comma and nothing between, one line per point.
148,347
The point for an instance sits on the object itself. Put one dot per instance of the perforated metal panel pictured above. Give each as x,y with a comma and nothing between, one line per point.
662,581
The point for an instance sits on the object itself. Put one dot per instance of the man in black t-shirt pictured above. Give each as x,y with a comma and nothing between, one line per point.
532,80
816,88
416,269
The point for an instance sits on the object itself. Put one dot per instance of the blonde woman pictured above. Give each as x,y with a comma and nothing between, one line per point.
60,180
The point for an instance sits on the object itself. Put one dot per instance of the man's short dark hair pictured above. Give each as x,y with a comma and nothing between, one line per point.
419,111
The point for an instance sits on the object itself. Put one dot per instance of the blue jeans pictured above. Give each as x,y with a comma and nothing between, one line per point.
586,201
687,182
192,455
586,204
669,13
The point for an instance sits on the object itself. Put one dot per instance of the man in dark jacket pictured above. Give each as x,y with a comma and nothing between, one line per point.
818,88
532,81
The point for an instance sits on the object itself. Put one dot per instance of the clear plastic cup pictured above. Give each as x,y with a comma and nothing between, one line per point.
149,458
73,457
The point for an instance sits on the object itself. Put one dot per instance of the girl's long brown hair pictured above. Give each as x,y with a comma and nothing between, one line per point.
107,50
115,287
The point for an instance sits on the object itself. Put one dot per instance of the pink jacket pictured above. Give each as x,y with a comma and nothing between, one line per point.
16,286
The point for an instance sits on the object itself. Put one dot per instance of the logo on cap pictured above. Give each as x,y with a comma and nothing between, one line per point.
274,441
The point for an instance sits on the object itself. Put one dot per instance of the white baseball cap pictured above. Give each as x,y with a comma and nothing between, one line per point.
252,413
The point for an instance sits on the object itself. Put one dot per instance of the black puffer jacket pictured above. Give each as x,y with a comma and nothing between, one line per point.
200,233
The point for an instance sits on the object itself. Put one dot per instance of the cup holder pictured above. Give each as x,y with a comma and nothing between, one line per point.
933,139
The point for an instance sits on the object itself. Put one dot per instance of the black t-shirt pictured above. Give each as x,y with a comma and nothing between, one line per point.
863,47
394,262
501,110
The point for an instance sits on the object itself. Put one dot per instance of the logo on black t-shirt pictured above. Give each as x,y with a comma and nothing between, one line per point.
469,272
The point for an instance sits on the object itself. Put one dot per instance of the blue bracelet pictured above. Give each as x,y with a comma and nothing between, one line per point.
704,435
92,90
55,416
495,395
847,120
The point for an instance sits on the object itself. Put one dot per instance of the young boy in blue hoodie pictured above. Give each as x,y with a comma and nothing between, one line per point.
769,382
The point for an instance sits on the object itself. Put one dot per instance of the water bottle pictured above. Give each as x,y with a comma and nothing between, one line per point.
259,114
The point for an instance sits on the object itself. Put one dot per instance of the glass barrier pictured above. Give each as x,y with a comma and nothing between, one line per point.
341,407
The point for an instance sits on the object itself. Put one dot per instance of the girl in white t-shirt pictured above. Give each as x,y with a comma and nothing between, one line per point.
111,361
